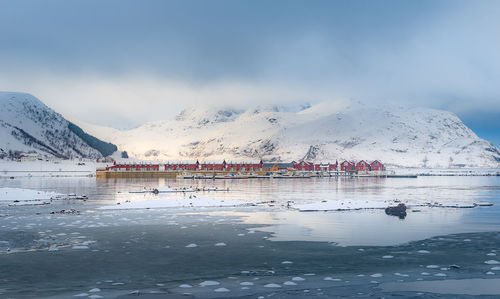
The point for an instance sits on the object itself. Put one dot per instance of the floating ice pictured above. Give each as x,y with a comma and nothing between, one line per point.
289,283
423,251
95,297
432,266
80,247
377,275
490,273
495,268
287,262
246,283
186,286
272,285
492,262
81,295
208,283
298,279
220,244
491,254
192,245
94,290
387,257
425,273
332,279
440,274
221,290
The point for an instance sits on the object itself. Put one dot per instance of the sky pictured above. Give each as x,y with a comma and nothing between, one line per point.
122,63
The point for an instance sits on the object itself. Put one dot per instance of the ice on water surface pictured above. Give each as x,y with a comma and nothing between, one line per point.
132,244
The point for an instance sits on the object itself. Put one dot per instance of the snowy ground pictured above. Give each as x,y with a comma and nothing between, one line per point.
60,168
194,200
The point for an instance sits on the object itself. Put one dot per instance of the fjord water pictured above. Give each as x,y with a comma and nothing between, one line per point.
255,250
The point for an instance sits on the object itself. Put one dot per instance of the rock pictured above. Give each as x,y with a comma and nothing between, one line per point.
399,210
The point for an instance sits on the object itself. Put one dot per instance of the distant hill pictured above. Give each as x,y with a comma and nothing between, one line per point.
28,125
410,137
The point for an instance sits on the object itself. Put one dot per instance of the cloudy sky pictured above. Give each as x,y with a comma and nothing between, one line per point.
122,63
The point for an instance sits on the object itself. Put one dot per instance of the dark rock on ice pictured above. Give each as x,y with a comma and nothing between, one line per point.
399,210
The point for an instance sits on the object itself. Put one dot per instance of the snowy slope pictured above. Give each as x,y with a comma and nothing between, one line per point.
26,124
411,137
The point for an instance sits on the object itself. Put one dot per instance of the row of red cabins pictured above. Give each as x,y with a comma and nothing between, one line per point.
248,167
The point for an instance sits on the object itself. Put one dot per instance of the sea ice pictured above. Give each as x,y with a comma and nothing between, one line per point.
192,245
186,286
298,279
377,275
246,283
221,290
81,295
387,257
289,283
220,244
432,266
94,290
492,262
423,251
287,262
332,279
208,283
80,247
272,285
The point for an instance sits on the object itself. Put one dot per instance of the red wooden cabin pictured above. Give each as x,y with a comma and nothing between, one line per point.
362,166
346,166
377,166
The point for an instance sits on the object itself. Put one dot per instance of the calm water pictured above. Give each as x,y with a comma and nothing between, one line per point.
263,250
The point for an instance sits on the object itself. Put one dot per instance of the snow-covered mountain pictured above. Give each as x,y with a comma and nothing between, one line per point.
28,125
412,137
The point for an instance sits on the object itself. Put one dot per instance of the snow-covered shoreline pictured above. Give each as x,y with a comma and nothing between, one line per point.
352,205
194,200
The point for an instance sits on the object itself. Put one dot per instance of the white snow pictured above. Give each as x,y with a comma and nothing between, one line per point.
359,204
289,283
208,283
176,202
272,285
25,195
412,137
246,283
26,124
185,286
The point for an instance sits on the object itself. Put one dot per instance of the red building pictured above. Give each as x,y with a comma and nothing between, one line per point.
303,166
133,167
362,166
346,166
377,166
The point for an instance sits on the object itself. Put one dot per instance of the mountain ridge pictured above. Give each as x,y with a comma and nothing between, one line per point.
28,125
409,137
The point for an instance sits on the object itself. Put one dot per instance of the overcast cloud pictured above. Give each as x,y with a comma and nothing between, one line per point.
123,63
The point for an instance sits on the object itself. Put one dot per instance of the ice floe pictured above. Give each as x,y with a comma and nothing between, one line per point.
289,283
221,290
492,262
185,286
246,283
192,245
220,244
176,202
272,285
208,283
345,204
